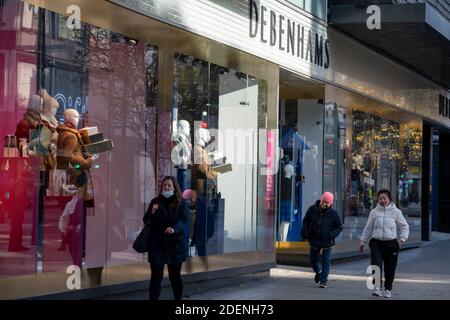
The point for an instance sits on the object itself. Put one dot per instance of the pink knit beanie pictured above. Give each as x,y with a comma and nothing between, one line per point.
328,197
187,194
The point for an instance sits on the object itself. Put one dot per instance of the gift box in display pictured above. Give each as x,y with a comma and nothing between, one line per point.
99,147
91,135
222,168
10,146
98,137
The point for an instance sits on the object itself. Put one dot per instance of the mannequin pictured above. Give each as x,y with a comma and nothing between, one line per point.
202,168
26,128
181,153
49,108
205,186
286,199
356,184
48,137
184,138
70,156
288,170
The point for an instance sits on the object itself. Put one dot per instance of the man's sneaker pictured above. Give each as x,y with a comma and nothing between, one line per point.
387,293
317,277
377,293
323,285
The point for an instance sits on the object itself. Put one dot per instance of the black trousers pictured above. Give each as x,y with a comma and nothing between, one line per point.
385,252
157,275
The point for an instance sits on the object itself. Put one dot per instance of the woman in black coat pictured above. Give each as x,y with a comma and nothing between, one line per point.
166,216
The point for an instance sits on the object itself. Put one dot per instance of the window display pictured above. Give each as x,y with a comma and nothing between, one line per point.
214,153
93,139
63,206
374,160
379,153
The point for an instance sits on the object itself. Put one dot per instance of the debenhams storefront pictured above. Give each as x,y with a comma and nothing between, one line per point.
307,110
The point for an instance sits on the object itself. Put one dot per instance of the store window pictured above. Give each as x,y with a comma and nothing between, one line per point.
217,115
19,176
386,154
365,152
334,153
375,161
78,162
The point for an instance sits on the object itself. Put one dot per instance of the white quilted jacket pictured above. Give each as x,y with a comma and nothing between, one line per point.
383,222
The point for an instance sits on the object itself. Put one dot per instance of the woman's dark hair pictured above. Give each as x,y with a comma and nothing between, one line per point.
386,192
177,192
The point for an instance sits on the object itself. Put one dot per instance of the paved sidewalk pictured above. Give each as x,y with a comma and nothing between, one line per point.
422,273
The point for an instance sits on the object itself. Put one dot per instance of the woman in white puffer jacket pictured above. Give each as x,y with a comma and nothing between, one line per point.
381,229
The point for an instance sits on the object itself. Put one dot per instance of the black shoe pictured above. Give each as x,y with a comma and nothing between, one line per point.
317,277
323,285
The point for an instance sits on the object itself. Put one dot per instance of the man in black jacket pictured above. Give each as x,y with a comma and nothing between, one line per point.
321,226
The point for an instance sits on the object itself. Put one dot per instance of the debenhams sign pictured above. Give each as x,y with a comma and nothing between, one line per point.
293,38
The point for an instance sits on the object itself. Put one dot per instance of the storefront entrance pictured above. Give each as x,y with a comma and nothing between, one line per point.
301,152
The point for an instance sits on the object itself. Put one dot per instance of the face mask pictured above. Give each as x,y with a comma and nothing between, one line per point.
167,194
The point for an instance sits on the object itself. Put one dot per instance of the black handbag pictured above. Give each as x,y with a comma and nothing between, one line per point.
141,243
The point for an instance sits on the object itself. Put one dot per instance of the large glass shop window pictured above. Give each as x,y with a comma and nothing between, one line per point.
19,176
79,147
374,161
335,150
383,154
215,154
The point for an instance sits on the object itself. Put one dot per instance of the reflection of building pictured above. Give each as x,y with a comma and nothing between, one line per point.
344,125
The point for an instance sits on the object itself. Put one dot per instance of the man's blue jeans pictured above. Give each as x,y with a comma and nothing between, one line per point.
326,258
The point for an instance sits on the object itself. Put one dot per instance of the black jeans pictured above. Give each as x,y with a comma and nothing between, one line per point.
385,252
157,275
324,270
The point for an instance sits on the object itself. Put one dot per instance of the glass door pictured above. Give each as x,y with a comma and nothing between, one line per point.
300,175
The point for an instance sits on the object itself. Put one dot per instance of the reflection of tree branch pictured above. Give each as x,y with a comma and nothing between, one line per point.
127,73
